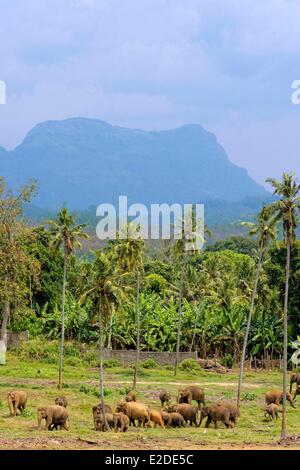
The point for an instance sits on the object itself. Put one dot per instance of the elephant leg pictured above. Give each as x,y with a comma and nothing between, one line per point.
16,406
208,421
10,406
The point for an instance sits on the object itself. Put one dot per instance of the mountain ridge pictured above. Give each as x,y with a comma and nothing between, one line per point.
83,162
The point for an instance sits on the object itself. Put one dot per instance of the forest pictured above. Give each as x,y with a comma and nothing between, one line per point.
214,291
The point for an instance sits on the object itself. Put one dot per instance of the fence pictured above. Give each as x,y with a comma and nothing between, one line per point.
14,340
162,358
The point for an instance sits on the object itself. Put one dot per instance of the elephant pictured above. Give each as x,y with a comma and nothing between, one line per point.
174,420
295,378
131,396
55,415
271,411
62,401
135,410
191,393
187,411
233,410
297,392
97,410
275,396
16,401
156,418
121,421
164,397
215,413
100,426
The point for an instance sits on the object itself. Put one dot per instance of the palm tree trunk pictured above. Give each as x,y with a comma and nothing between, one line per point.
137,319
285,336
254,292
62,337
179,321
110,331
101,377
30,292
3,332
194,333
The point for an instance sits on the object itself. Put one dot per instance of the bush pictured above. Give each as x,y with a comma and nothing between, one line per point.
92,358
149,364
190,365
125,390
39,349
249,396
73,361
92,391
109,363
227,361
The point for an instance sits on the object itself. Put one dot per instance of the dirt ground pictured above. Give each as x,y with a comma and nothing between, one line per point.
135,444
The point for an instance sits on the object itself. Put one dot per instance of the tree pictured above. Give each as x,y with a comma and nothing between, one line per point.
16,264
285,210
264,229
130,253
184,246
66,235
104,290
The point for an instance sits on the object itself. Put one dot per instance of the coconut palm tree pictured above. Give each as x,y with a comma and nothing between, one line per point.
65,234
104,290
286,210
130,254
181,253
265,230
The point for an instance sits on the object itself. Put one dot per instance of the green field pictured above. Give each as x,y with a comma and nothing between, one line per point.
81,388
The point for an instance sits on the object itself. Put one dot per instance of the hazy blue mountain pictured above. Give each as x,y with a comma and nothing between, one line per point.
83,162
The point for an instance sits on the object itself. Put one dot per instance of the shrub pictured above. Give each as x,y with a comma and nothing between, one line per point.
92,358
227,361
190,365
249,396
92,391
149,364
110,363
125,390
73,361
26,414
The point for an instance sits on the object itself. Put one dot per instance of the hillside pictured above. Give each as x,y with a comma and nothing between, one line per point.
83,162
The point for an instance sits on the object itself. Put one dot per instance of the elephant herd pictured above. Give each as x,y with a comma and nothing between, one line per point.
131,411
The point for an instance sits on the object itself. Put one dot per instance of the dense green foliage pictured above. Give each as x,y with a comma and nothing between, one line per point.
216,295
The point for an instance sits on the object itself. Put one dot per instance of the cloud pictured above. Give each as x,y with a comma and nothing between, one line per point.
154,64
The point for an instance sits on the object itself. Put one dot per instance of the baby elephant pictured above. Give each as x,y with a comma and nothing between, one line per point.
61,401
215,413
188,412
16,401
174,420
121,421
97,410
271,411
156,418
164,397
131,396
101,422
55,415
276,397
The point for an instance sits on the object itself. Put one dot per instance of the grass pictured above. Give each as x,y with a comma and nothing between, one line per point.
39,379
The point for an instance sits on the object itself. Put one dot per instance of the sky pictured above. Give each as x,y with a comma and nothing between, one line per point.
157,64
